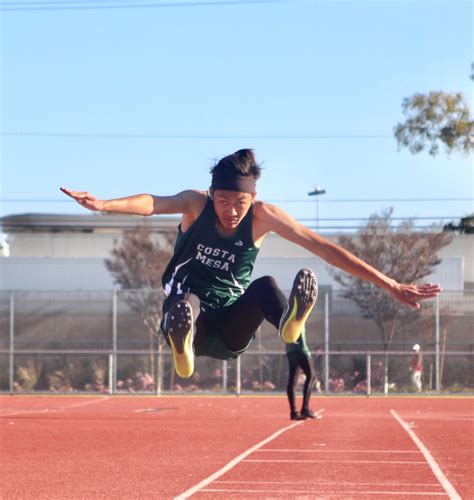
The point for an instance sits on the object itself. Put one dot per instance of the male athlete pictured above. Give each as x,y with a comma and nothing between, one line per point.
212,308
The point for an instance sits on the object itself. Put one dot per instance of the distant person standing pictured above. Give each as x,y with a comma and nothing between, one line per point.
299,357
416,367
318,365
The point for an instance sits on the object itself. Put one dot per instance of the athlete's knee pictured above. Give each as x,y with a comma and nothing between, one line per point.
265,284
292,380
193,299
268,282
264,293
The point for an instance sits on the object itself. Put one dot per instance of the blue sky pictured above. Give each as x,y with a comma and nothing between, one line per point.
144,99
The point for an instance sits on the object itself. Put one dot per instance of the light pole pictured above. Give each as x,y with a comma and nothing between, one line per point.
317,192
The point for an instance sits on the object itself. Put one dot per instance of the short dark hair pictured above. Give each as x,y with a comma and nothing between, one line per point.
242,162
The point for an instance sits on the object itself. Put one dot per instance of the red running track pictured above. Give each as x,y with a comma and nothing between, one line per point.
227,447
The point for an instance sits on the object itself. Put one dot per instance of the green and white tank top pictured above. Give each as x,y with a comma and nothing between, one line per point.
214,267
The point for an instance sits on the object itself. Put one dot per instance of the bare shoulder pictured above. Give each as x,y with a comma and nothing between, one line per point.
194,202
271,218
190,202
267,218
263,210
194,199
266,213
193,195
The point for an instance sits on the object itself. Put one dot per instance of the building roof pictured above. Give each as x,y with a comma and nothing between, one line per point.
38,222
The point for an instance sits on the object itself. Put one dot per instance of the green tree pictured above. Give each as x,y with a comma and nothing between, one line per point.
137,265
434,119
399,252
465,225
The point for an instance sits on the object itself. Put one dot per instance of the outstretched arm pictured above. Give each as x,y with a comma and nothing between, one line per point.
272,218
140,204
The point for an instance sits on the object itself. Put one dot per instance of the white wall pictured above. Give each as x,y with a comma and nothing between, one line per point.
62,245
43,274
29,273
73,260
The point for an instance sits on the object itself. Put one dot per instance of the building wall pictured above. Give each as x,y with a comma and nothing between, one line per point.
71,256
90,274
54,274
62,245
462,247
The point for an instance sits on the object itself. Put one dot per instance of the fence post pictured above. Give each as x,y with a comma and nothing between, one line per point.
114,340
438,380
326,342
369,374
237,382
11,375
111,373
159,368
224,376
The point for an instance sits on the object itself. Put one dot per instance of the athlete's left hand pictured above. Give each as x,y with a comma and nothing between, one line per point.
411,294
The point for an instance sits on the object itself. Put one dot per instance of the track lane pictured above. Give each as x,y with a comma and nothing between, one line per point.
160,447
128,447
447,431
351,453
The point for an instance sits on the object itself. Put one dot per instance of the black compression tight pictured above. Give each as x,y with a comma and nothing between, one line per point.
298,359
238,323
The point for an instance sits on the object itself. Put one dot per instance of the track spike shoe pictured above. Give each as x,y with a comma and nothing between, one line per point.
310,414
181,333
302,299
295,415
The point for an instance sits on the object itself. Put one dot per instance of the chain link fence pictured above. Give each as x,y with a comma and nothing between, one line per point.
104,342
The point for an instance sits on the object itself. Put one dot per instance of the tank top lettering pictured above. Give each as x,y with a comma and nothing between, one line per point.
216,268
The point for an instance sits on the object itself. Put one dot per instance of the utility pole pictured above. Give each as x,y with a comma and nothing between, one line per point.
317,192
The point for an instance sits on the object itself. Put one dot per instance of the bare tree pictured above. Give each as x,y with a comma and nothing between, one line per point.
137,266
400,253
433,119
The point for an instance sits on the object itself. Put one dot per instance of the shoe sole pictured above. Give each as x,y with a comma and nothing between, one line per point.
180,332
302,299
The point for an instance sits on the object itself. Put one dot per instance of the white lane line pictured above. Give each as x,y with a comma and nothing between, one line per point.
347,494
338,461
105,398
448,487
52,410
235,461
23,412
325,483
337,451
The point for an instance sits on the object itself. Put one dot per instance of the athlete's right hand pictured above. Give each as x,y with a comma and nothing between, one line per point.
87,200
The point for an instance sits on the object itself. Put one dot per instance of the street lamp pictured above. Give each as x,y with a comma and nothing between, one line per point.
317,192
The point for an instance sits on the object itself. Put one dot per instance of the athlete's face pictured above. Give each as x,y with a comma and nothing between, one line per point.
231,207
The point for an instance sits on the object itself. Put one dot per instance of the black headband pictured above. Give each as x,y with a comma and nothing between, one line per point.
233,182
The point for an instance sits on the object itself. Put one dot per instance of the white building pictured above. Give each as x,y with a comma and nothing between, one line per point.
46,252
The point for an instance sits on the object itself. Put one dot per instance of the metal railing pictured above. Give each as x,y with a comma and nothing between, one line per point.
67,371
95,342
